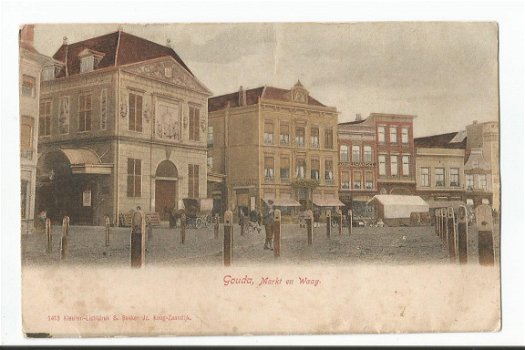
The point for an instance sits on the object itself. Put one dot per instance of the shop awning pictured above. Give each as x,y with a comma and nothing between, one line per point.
86,161
328,202
286,202
444,204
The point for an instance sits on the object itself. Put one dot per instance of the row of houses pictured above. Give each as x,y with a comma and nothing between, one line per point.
117,121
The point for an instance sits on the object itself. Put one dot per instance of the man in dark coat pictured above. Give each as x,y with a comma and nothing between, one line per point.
268,226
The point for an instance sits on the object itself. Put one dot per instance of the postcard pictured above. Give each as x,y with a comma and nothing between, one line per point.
259,178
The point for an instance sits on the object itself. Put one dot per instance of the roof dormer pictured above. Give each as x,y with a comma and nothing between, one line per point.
89,60
299,93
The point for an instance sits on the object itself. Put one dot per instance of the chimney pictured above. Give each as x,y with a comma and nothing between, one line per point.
358,117
168,43
474,122
27,34
64,41
242,96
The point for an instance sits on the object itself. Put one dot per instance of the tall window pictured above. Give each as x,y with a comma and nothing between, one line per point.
329,171
193,181
356,153
135,112
357,180
194,123
134,177
299,136
404,135
45,118
369,180
210,163
393,166
406,165
26,136
268,168
440,177
381,134
87,64
300,169
345,180
328,138
268,133
454,177
482,178
393,134
367,152
470,181
284,171
28,86
314,169
23,198
48,73
210,136
425,177
382,164
343,153
284,134
84,113
314,137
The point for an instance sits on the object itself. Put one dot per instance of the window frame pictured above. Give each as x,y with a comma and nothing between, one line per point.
394,165
85,114
134,178
424,178
44,119
439,183
133,115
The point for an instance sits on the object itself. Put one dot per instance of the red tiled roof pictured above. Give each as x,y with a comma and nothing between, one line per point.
119,48
440,141
252,97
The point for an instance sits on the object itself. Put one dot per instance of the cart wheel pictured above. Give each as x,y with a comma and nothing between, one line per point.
207,221
199,223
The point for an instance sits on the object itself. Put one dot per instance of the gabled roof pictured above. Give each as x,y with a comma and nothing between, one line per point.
447,140
253,96
119,48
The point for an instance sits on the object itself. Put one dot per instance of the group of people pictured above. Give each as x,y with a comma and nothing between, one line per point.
255,220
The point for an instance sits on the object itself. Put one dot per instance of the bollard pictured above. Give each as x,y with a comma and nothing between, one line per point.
443,226
138,240
228,238
310,226
451,230
49,236
436,221
485,226
328,224
277,233
462,232
340,214
350,221
107,224
63,241
216,227
183,228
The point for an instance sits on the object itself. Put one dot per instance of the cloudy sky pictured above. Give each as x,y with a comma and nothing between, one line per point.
445,73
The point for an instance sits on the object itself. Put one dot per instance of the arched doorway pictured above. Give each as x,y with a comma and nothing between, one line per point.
54,185
165,188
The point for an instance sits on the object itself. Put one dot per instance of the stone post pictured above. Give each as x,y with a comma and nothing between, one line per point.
49,236
451,230
277,233
216,227
138,242
328,224
183,228
107,225
340,215
350,221
485,226
63,241
228,238
310,226
462,222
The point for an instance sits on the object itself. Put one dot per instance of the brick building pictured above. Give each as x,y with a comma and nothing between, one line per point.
440,168
357,165
32,63
122,123
274,143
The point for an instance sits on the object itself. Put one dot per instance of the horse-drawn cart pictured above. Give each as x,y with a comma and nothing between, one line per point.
198,212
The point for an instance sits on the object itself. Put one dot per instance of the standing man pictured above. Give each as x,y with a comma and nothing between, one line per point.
136,237
268,226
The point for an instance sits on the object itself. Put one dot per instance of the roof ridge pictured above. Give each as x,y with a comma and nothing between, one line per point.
117,48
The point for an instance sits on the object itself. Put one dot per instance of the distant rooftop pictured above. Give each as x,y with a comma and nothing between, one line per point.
448,140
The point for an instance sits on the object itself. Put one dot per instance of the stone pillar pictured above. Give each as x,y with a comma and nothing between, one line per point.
340,215
107,225
277,233
228,238
350,221
310,226
485,226
216,227
183,228
451,229
63,241
49,236
328,224
462,222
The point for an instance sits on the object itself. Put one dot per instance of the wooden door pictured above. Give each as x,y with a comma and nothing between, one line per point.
165,197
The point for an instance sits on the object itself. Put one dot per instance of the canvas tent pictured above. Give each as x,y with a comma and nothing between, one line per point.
396,209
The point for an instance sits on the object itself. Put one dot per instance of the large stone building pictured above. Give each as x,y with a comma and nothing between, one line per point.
31,64
357,165
122,123
277,144
482,164
440,168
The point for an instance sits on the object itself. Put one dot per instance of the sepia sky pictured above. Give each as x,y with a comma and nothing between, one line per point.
445,73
